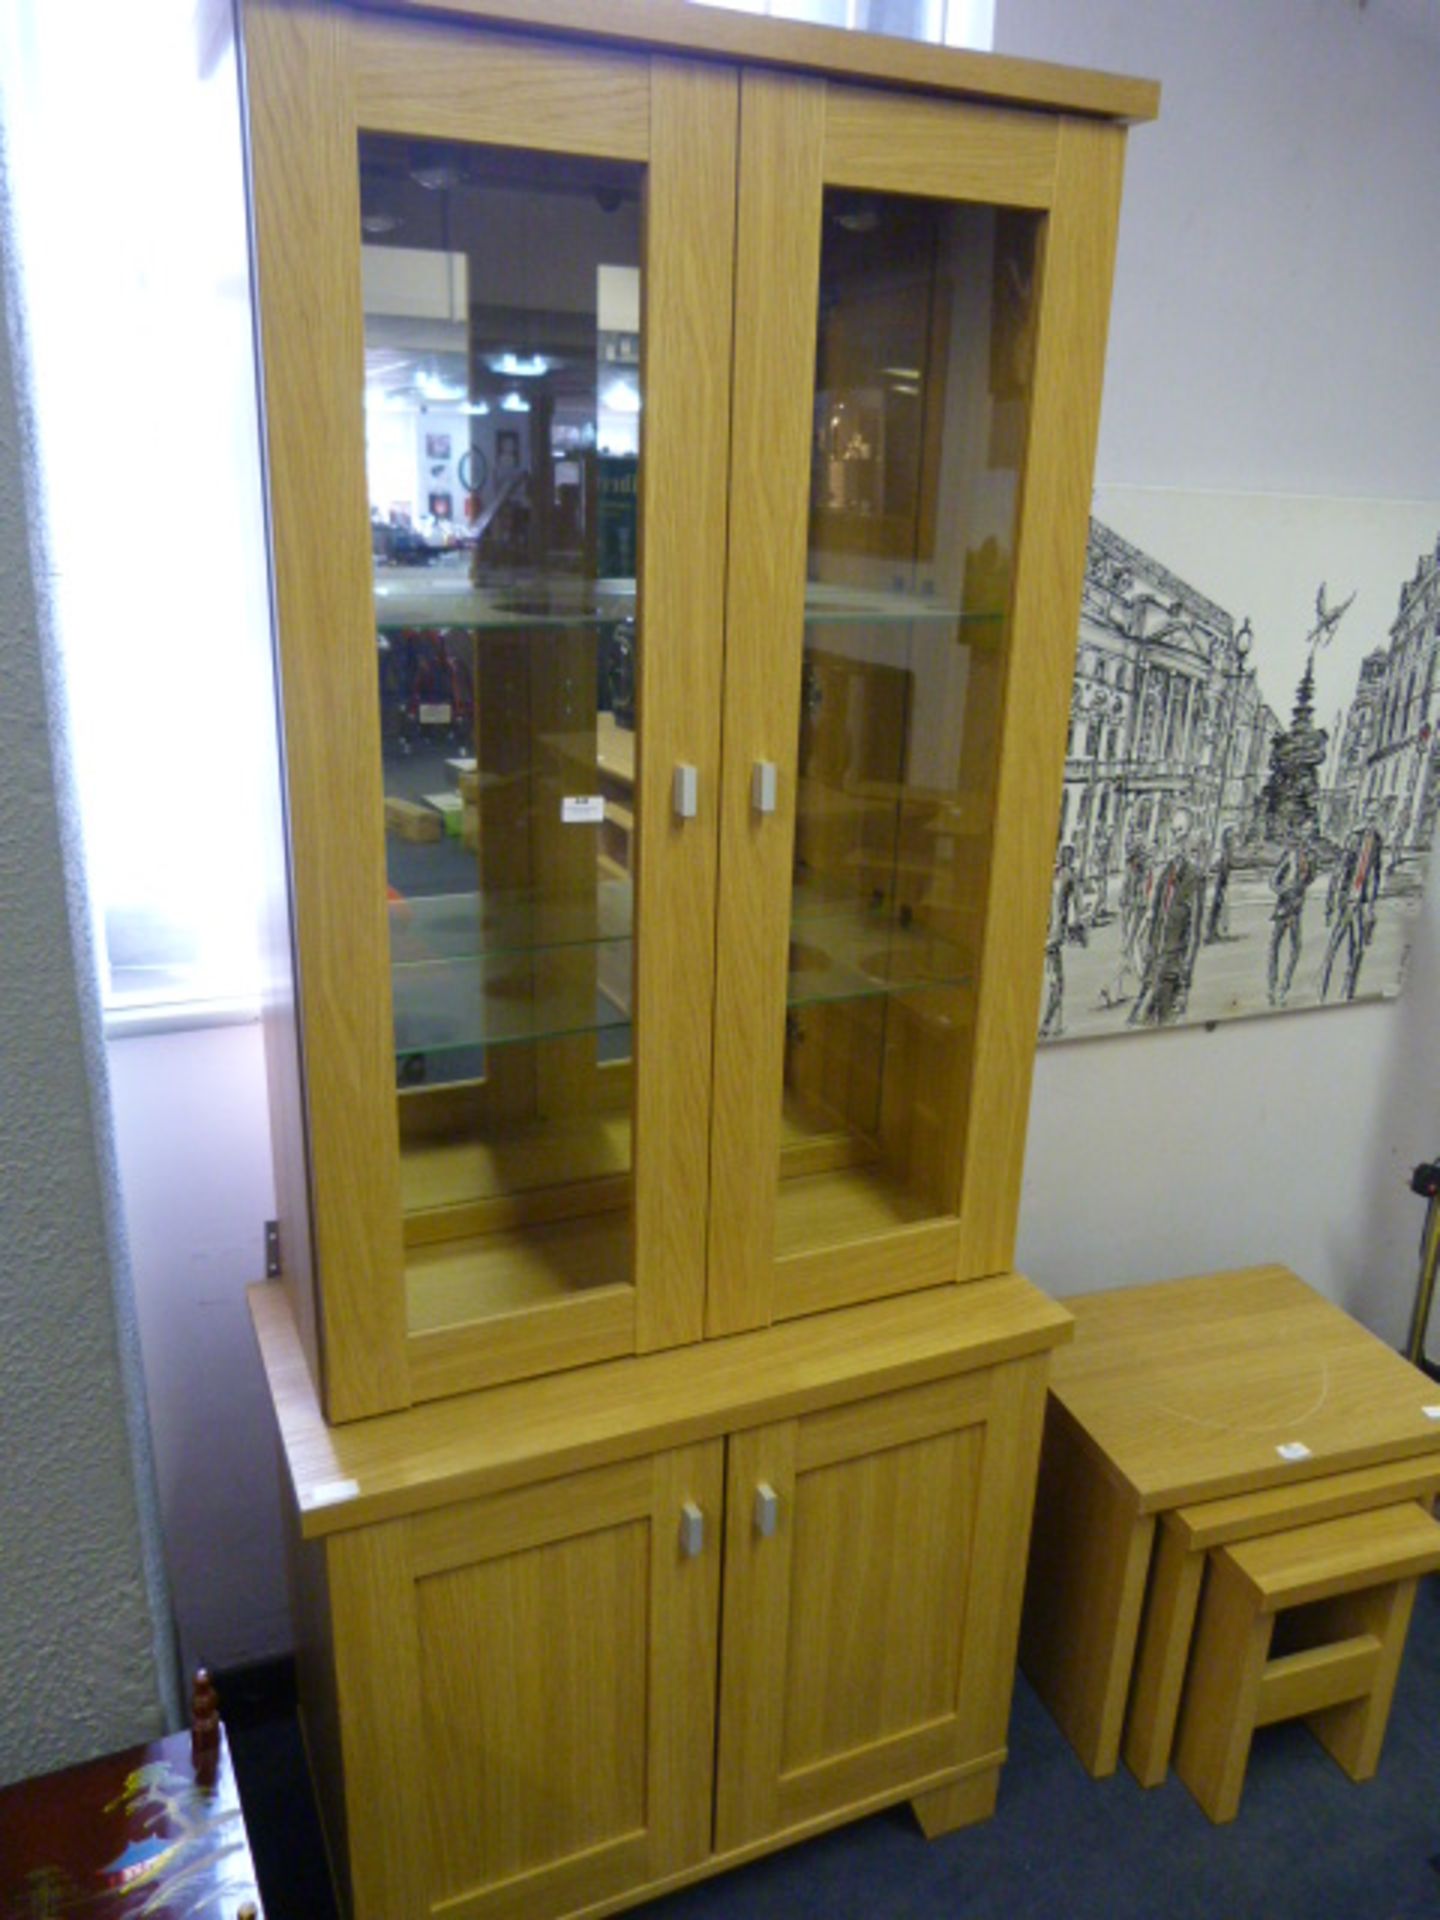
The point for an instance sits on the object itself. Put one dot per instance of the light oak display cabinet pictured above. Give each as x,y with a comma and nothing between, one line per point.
679,434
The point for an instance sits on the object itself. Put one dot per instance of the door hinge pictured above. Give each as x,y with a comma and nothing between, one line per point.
272,1249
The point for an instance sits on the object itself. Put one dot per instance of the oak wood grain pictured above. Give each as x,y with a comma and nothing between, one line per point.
1164,1651
1363,1567
306,213
961,1804
1185,1389
1352,1731
921,1254
1337,1556
443,81
1075,273
869,1639
776,269
890,143
822,50
573,1329
1214,1523
1172,1601
1175,1402
534,1664
533,1430
1014,1426
1089,1560
378,1681
687,319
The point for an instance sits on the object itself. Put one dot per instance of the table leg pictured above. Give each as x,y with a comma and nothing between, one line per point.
1231,1647
1353,1732
1165,1635
1089,1559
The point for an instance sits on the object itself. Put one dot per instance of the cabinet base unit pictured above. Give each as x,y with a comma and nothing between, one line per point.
568,1643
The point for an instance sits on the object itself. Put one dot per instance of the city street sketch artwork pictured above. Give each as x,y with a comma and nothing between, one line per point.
1253,768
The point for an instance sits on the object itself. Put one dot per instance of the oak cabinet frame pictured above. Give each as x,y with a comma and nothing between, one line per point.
575,1452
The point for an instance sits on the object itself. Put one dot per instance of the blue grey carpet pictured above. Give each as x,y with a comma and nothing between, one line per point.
1308,1845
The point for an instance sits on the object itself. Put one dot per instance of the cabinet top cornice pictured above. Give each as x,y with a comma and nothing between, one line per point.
683,27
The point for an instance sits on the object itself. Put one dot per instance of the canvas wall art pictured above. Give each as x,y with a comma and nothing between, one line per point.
1252,774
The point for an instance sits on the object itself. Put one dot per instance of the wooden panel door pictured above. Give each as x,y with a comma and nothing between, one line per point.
924,287
495,301
874,1559
527,1692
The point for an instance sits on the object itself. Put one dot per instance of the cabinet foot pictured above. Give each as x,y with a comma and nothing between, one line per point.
962,1804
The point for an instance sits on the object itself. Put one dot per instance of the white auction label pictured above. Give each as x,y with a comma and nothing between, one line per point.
436,713
1294,1450
581,809
331,1493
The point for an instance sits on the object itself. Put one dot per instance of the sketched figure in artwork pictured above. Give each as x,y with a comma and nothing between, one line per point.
1172,932
1065,924
1217,925
1350,905
1290,882
1134,898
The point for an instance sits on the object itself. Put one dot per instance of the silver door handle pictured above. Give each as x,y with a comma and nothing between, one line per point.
763,786
767,1510
692,1530
686,791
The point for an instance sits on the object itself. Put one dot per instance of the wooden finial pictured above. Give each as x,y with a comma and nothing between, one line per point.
204,1727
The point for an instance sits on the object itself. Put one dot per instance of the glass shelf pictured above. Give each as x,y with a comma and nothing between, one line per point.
456,927
468,972
472,970
443,595
829,604
854,954
442,1006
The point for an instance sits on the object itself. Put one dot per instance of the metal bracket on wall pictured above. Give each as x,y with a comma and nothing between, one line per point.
272,1249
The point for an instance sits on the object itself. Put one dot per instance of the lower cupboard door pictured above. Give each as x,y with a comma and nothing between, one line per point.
873,1564
527,1688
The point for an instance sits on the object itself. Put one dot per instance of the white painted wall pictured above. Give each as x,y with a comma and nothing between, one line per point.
194,1149
1274,318
1273,330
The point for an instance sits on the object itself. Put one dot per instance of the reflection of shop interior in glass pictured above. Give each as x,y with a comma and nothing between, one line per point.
502,331
921,389
503,411
854,455
922,365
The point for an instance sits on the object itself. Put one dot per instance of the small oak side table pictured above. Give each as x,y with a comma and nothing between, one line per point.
1186,1415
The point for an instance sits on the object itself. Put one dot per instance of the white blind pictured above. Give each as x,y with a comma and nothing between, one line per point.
122,127
951,23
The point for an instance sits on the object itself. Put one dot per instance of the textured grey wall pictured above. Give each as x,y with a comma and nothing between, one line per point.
84,1639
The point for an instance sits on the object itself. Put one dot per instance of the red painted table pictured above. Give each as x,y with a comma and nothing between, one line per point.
136,1833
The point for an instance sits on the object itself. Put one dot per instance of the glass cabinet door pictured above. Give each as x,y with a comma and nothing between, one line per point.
532,816
503,406
881,596
921,387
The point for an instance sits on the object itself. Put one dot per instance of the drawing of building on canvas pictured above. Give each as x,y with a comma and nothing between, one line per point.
1220,852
